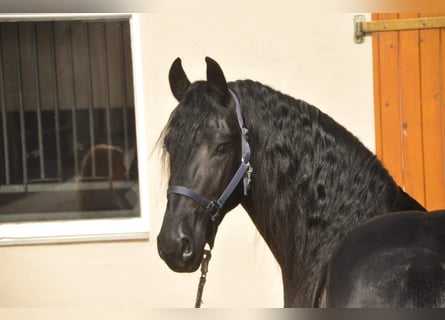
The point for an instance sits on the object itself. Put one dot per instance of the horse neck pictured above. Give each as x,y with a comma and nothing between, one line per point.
313,181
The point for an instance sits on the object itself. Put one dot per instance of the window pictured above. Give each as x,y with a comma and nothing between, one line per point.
68,148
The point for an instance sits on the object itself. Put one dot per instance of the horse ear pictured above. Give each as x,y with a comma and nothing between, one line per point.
216,80
179,83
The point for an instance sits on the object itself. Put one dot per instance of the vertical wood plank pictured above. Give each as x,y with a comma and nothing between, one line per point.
46,79
411,112
432,118
377,98
80,65
9,52
442,107
28,65
115,67
390,102
128,63
98,54
10,72
63,68
4,148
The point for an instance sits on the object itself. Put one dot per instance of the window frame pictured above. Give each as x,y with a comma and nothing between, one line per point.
87,230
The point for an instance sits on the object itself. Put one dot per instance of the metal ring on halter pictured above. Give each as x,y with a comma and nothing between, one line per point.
213,210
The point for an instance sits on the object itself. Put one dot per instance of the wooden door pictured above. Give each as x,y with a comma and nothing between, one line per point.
409,89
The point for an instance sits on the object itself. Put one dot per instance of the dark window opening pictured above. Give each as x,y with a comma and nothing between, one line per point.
67,138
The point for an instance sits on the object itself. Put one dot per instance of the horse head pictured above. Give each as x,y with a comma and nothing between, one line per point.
204,146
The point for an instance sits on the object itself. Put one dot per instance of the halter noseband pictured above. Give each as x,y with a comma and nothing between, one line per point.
244,173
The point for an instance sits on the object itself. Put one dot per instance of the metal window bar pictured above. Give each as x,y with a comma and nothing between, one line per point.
53,67
22,109
38,102
73,102
107,104
91,103
4,114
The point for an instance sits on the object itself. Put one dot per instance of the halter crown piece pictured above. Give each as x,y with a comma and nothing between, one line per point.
244,173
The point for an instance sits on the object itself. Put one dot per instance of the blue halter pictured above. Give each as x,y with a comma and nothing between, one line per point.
244,173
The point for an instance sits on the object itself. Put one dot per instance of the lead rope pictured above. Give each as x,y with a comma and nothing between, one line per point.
202,280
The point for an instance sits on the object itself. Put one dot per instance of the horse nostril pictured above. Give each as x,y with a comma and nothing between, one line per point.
186,249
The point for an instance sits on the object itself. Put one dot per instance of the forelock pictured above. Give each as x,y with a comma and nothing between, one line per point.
187,122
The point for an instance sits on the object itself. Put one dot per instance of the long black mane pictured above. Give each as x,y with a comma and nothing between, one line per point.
310,173
313,181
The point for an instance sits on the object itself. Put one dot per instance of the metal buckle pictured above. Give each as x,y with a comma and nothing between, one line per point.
213,210
249,174
245,133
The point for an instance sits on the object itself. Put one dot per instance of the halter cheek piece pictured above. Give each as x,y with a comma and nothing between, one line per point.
244,173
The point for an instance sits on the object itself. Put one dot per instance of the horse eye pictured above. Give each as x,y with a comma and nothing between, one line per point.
223,148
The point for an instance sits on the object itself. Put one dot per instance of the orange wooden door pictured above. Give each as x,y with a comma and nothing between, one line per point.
409,95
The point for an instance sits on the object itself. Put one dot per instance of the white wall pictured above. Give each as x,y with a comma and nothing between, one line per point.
307,55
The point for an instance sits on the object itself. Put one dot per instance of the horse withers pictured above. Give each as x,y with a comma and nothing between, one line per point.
309,187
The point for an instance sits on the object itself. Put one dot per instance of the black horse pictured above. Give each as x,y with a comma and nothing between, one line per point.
307,184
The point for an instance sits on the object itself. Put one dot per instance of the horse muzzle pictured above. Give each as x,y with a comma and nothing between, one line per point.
181,247
179,254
